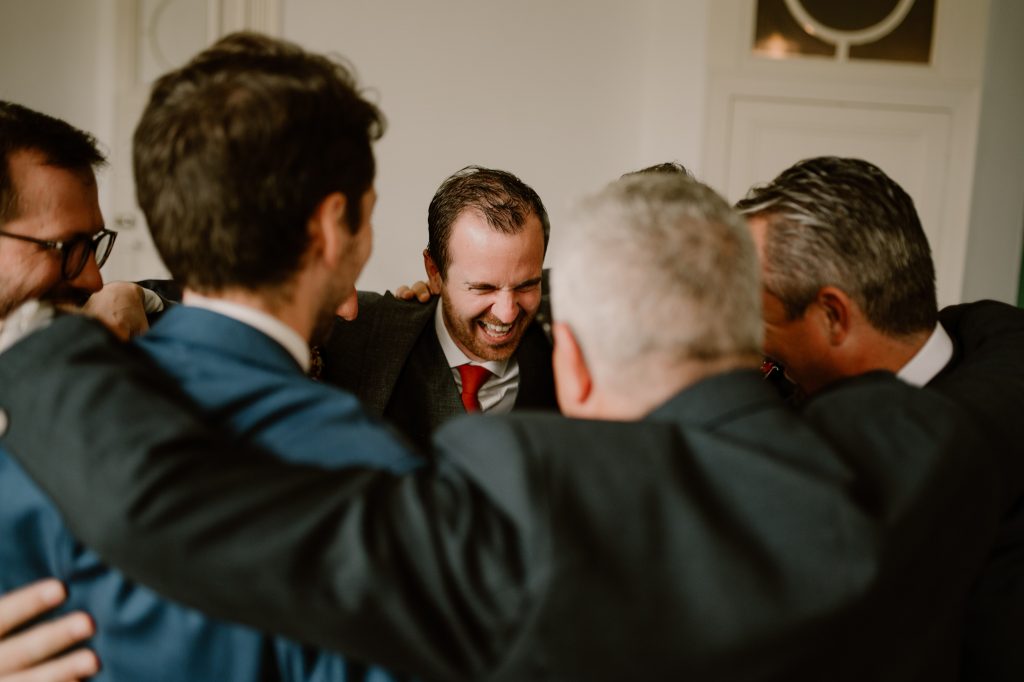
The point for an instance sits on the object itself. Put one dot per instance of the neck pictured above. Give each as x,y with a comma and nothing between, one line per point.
277,303
879,351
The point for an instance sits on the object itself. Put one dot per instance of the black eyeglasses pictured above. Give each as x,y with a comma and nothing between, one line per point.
75,252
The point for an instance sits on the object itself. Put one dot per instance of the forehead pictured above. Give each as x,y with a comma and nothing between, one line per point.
475,244
52,202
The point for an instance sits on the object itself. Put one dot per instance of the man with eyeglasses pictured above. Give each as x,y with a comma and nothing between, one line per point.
52,244
50,222
76,252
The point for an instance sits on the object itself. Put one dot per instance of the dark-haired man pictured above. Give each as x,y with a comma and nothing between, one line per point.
52,238
849,287
52,244
475,347
265,272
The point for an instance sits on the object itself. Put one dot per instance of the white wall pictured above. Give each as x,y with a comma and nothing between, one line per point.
54,56
568,95
49,57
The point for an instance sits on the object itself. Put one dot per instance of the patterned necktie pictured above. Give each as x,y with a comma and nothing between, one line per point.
473,377
316,363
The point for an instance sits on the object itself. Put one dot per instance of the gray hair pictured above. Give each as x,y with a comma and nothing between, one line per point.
657,266
843,222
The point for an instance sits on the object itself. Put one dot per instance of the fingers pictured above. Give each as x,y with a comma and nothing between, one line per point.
24,604
33,647
39,643
121,307
418,290
423,291
73,666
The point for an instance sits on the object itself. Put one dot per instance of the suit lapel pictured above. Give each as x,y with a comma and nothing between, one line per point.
394,331
427,363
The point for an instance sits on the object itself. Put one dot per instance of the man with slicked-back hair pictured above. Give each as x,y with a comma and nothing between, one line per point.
849,287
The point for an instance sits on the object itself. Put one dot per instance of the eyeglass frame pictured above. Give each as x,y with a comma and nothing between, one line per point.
66,246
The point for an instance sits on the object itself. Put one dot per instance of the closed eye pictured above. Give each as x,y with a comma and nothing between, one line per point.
528,285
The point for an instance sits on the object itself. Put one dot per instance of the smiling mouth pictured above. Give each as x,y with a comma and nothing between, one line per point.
496,331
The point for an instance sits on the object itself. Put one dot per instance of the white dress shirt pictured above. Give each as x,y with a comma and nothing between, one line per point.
933,356
498,394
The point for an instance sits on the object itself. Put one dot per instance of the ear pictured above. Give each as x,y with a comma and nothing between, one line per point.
349,308
573,382
328,230
837,311
434,278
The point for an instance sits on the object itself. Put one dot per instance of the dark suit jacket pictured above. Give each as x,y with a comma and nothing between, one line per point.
721,538
389,356
986,376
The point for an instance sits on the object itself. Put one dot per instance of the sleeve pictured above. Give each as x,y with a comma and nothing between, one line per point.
419,573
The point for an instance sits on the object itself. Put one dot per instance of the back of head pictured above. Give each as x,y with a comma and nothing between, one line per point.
657,270
500,197
58,143
843,222
237,148
672,167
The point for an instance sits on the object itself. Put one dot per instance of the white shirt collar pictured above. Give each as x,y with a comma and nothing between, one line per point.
454,355
932,357
277,330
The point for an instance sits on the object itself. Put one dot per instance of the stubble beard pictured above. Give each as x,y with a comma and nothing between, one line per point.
466,333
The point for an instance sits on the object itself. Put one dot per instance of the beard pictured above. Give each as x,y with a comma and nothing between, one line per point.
469,334
323,323
61,294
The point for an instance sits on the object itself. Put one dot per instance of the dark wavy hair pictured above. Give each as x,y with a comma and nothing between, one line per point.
59,143
236,149
504,200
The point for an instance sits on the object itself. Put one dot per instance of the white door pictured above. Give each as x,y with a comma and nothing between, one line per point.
152,37
917,120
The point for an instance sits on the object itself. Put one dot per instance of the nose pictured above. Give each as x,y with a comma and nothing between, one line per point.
505,306
89,278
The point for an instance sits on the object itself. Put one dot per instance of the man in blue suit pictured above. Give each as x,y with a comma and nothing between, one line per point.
266,275
53,242
288,131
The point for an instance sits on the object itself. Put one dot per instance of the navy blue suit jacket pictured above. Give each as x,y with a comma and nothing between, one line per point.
250,386
241,378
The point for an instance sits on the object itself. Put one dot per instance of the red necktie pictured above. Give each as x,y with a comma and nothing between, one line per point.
473,377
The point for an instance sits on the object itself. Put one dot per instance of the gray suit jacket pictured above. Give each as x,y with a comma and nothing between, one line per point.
389,356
